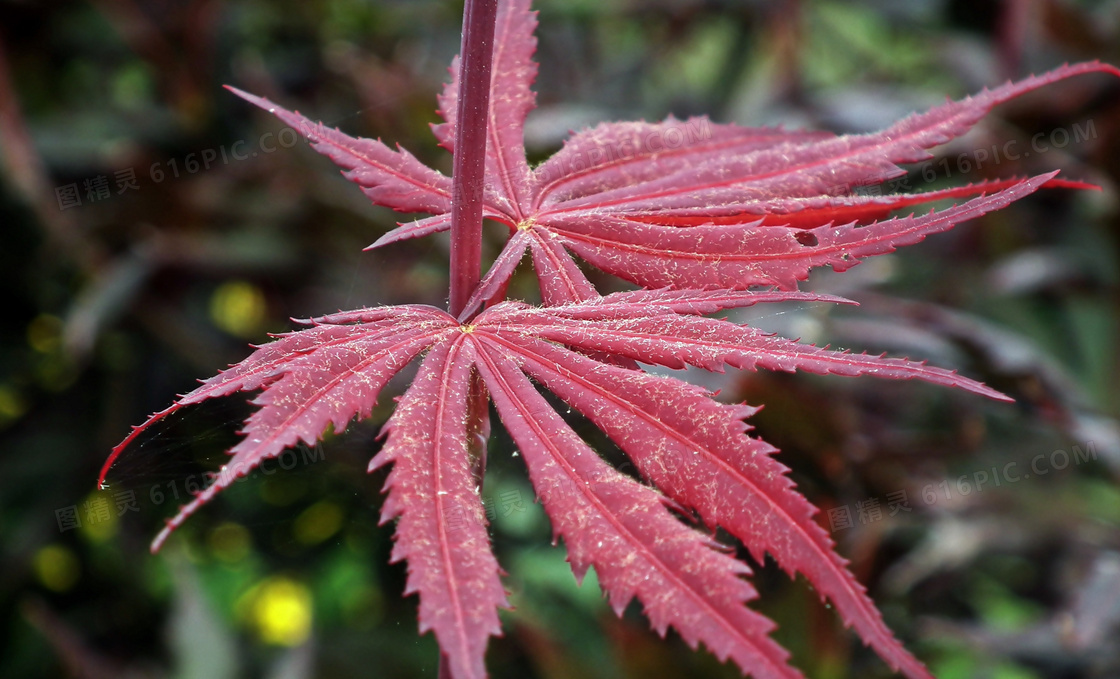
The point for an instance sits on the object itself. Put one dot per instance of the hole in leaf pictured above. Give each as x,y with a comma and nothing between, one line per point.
806,238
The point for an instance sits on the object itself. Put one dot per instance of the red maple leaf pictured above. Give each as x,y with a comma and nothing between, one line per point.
694,212
765,205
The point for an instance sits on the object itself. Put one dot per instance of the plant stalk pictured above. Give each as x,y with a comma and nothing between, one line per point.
469,167
468,174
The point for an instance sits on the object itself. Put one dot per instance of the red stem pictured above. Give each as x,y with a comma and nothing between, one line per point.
469,168
468,172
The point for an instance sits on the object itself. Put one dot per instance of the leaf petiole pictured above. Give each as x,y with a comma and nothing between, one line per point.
469,164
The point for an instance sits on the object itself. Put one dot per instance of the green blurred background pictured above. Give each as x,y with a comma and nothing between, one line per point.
153,225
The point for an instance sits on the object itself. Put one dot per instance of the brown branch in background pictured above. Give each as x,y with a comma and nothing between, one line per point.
201,23
81,661
183,86
111,282
788,35
1015,21
22,163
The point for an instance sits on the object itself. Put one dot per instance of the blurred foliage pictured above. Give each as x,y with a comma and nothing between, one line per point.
202,224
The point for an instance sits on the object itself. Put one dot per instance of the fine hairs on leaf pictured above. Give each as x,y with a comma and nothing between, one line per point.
701,217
